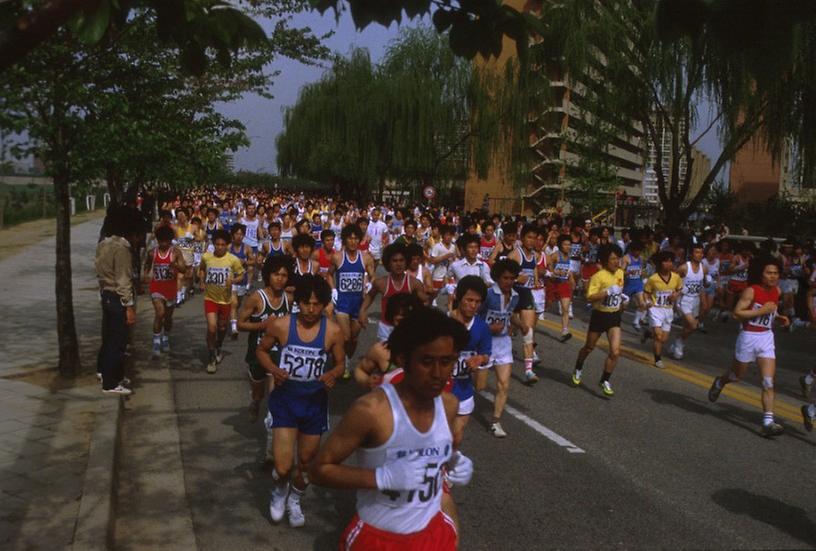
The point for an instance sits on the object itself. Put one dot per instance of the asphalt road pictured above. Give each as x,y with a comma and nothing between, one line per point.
657,465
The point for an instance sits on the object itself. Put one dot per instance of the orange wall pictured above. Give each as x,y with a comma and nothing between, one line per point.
754,177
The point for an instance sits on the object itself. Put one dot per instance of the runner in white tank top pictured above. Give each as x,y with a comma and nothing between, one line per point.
695,278
407,439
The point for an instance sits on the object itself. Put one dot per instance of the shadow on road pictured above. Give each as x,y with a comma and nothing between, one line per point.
787,518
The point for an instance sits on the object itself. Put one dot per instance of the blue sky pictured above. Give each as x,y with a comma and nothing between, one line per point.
264,118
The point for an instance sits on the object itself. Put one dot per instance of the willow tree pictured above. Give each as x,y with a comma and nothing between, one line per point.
775,44
637,82
335,133
422,115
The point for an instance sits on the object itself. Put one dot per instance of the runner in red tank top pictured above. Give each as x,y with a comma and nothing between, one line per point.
396,282
757,308
323,256
163,264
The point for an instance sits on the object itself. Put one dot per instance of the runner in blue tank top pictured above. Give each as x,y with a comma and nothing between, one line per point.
349,286
298,405
632,265
471,292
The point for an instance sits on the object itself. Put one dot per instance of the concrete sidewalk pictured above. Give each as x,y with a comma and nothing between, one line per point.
57,436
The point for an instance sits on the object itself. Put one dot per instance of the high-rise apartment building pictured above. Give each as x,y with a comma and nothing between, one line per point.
557,138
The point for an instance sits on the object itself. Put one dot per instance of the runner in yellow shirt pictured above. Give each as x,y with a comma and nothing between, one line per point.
605,292
661,290
216,273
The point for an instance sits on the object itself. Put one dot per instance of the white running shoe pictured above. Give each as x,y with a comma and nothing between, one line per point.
219,356
99,377
678,350
497,430
659,364
296,516
212,367
277,502
118,390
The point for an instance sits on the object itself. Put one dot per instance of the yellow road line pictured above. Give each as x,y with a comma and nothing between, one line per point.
744,394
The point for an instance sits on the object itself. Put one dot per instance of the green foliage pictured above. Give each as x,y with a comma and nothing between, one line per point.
193,27
473,26
123,111
249,179
773,44
422,115
778,217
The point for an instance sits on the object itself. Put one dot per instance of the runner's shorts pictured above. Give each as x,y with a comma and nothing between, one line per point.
689,305
438,535
349,305
754,344
561,290
789,286
168,301
631,287
384,331
525,301
223,310
601,322
466,406
502,353
540,300
661,317
309,413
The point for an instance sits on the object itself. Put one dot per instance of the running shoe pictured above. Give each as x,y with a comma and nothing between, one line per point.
277,502
219,356
212,366
530,378
125,381
117,391
659,364
565,337
99,377
570,311
497,430
676,350
296,516
807,419
714,391
806,388
606,387
165,345
772,429
576,377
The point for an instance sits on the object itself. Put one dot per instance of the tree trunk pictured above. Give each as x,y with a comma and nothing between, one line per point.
115,189
69,362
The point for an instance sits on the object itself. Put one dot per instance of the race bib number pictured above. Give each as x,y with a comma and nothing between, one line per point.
437,455
303,364
530,278
764,321
217,276
350,282
162,272
251,232
693,288
461,369
633,272
663,298
494,316
186,243
612,301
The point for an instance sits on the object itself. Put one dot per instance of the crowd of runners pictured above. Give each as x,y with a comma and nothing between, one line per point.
298,275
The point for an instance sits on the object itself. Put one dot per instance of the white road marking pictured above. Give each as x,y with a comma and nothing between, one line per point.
536,426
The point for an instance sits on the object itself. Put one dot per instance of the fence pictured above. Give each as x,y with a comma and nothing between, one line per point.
23,203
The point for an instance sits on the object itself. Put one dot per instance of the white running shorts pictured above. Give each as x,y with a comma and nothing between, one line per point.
754,344
689,305
466,406
502,350
661,317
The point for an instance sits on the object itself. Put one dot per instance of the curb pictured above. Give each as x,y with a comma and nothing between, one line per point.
94,527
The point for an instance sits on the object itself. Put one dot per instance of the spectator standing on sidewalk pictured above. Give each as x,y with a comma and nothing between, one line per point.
114,271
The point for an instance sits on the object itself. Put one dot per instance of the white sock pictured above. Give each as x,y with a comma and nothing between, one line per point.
809,378
157,337
638,317
767,418
811,411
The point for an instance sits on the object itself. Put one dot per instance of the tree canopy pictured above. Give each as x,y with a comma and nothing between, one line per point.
624,75
770,44
419,116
